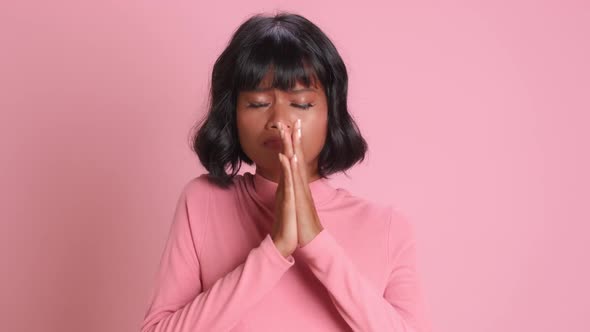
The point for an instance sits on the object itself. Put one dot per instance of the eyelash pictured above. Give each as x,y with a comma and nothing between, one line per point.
303,107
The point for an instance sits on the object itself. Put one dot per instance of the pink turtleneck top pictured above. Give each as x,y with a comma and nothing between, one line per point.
220,269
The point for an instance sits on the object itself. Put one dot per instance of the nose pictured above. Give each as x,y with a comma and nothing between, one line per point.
284,119
275,125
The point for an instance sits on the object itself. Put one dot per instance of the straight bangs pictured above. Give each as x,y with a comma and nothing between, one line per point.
283,57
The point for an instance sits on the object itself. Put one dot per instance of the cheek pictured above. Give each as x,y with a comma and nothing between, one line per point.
315,139
244,122
244,129
249,132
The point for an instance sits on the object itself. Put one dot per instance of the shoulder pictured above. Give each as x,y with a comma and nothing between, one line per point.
401,226
402,235
198,185
390,212
364,206
398,223
203,187
200,193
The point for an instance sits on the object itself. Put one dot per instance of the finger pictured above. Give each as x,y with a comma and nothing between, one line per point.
287,141
279,192
281,174
298,184
287,177
298,149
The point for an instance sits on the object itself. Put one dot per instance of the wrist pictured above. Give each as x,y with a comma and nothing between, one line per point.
278,244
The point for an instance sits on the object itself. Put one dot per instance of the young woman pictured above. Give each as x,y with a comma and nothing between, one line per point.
282,249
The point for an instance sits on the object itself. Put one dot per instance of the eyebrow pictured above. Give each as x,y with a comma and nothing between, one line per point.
290,91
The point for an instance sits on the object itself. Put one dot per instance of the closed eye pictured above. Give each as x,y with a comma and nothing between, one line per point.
304,106
257,105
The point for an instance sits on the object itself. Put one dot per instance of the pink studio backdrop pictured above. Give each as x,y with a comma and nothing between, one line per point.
476,116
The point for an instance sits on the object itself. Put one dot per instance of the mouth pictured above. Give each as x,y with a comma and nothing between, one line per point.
274,144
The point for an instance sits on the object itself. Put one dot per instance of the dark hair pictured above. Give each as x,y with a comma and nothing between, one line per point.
297,51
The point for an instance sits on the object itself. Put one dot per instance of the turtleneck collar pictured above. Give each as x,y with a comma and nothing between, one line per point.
264,189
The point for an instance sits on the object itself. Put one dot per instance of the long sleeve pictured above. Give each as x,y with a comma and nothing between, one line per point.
178,302
399,309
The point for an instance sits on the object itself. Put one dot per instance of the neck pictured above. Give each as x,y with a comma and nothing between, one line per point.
264,189
274,174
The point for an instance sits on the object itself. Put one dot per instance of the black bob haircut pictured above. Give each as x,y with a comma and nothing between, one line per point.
297,51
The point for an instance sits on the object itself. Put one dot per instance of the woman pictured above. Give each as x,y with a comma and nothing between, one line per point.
281,249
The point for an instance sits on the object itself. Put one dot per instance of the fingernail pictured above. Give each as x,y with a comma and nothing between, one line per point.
295,157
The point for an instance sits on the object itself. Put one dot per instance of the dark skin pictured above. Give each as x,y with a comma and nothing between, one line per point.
257,124
293,164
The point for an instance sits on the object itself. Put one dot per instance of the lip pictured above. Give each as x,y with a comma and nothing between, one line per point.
273,143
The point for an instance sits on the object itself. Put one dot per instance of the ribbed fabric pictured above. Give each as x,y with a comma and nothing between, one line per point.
220,269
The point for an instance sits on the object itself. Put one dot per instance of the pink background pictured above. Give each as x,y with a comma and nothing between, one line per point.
476,116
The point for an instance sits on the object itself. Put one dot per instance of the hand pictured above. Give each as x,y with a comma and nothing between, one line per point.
308,221
284,232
